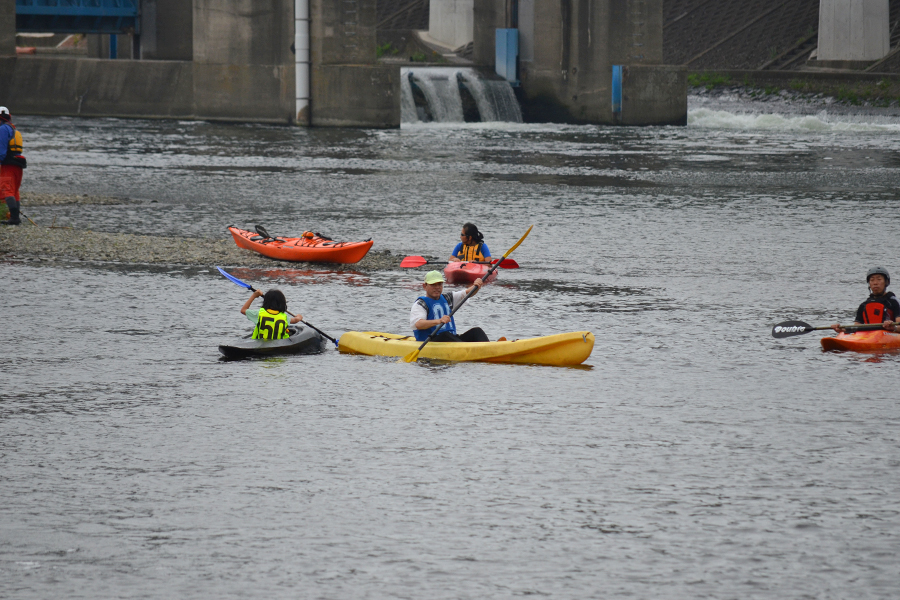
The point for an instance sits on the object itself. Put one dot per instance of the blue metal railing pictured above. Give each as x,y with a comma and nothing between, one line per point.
78,16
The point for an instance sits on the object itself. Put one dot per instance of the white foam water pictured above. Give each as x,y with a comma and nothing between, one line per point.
822,121
495,99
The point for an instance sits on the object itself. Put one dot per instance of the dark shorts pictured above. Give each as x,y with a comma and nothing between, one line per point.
476,334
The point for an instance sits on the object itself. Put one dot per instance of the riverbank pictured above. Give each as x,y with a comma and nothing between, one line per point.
30,242
37,199
803,92
62,244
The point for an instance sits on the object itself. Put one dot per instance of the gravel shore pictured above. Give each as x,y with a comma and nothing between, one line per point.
33,199
59,244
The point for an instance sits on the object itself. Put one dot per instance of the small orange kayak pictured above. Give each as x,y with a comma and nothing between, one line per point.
863,341
308,247
468,272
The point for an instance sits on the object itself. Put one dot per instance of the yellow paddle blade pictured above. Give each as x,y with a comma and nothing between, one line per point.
521,239
412,356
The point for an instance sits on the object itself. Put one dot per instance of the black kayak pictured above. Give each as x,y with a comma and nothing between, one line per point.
303,340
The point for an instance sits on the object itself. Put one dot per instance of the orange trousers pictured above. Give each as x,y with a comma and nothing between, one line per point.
10,180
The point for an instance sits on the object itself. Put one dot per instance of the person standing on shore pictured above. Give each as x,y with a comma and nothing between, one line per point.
11,164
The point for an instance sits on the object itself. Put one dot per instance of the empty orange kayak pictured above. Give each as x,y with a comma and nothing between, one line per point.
308,247
863,341
467,272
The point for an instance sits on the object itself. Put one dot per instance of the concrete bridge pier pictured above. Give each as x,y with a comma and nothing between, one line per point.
853,33
348,87
567,50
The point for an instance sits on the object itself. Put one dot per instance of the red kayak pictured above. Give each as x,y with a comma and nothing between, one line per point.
468,272
308,247
863,341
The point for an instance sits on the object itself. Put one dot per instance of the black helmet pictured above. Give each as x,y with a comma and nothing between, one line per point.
879,271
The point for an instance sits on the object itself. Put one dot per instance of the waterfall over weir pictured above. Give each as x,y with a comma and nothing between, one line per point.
448,95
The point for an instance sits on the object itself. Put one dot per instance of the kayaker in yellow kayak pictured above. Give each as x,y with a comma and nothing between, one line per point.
433,310
471,247
880,306
271,320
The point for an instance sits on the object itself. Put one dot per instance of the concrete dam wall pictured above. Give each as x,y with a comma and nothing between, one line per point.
235,60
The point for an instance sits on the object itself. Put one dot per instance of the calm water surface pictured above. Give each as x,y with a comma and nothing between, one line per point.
696,457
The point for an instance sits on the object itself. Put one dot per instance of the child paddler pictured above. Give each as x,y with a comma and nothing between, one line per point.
471,247
433,310
881,306
271,321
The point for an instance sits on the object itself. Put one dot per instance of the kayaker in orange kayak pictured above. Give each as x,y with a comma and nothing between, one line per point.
271,320
471,248
433,310
881,306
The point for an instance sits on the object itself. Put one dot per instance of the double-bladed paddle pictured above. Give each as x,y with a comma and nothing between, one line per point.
414,355
417,261
253,289
792,328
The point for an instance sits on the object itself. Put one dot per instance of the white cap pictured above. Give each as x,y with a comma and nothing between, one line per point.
4,110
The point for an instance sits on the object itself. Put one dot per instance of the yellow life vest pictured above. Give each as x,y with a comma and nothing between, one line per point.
470,253
271,325
15,142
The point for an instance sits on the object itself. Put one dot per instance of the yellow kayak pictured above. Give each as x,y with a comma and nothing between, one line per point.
558,350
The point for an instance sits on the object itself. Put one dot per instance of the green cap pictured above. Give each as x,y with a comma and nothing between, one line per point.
434,277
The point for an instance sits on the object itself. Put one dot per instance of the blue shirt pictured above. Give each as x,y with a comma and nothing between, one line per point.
6,134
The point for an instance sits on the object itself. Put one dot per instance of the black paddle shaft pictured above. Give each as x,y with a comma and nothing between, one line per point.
792,328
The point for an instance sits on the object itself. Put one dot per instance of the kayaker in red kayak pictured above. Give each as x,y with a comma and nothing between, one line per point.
471,248
880,306
271,320
433,310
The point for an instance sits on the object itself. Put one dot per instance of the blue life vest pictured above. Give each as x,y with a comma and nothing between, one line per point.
436,310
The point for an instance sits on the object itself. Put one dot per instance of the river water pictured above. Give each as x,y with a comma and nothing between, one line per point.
695,457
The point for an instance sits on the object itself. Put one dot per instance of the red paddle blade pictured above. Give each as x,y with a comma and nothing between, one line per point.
413,261
507,263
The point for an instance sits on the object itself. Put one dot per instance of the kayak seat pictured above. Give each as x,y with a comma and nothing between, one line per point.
256,238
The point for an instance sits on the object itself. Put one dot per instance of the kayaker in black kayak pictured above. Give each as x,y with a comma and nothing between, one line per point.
271,321
471,247
880,306
433,310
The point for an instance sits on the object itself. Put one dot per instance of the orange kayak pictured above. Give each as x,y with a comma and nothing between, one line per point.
308,247
467,272
863,341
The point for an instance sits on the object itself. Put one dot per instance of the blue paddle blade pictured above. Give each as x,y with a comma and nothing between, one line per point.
234,279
